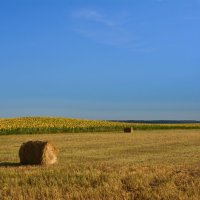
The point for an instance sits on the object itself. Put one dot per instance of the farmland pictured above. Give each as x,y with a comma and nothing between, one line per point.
147,164
30,125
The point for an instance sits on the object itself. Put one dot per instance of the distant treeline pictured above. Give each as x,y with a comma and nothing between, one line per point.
159,121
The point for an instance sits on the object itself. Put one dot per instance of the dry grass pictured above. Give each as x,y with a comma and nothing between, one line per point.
144,165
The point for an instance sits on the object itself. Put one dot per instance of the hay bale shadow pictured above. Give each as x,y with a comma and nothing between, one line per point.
9,164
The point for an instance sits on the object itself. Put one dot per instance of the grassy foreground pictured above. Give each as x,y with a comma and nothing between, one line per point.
37,125
144,165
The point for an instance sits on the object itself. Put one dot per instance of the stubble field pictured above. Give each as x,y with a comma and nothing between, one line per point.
162,164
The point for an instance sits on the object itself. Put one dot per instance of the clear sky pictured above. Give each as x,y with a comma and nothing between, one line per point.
100,59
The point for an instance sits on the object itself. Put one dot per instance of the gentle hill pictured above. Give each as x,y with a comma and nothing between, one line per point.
30,125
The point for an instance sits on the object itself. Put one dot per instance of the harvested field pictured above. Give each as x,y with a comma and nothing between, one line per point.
143,165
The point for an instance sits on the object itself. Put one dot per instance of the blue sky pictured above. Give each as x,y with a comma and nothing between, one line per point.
104,59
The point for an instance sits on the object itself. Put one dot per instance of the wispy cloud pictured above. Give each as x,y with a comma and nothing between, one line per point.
93,15
109,30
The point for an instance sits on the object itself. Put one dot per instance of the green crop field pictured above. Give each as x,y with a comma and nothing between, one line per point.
145,165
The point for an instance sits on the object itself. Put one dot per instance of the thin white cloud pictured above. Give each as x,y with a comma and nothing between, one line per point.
112,31
109,37
93,15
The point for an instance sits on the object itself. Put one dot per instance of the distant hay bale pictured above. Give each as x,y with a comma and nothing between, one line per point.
38,153
128,130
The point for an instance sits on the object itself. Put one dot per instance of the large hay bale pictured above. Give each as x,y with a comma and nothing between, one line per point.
128,130
38,153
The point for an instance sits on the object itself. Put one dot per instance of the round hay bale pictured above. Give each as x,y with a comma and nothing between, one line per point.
38,153
128,130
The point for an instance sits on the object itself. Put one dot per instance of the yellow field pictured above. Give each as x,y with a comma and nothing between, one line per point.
52,122
29,125
145,165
